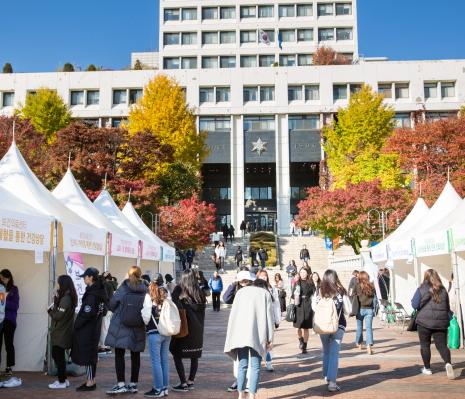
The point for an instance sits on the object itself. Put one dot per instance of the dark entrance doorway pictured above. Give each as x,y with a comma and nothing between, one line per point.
265,221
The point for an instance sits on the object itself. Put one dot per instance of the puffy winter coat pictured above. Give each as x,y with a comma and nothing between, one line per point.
61,329
432,315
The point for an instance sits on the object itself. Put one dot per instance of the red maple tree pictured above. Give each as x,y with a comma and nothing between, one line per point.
327,56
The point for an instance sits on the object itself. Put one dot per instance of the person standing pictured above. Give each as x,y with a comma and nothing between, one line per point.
384,281
316,281
366,295
191,299
127,329
291,271
243,228
302,295
225,230
279,284
190,253
252,256
2,304
62,313
250,334
7,334
169,284
239,257
304,254
220,252
232,231
431,302
88,326
215,238
292,227
111,285
263,256
216,286
353,283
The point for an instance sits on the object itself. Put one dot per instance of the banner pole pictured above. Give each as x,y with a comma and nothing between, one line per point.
51,284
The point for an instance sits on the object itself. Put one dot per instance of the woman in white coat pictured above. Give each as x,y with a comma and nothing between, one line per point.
220,252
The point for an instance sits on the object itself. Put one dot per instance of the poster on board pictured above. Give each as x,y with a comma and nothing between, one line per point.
74,264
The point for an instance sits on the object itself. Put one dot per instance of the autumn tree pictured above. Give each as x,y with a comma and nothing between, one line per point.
138,66
91,68
188,224
68,67
343,212
354,140
7,68
430,151
47,112
163,111
327,56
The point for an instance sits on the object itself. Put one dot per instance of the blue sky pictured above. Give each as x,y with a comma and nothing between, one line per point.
43,35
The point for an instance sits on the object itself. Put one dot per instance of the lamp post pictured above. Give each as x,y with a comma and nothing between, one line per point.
382,219
153,224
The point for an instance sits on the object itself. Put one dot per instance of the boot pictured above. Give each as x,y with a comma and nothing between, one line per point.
304,347
301,343
369,350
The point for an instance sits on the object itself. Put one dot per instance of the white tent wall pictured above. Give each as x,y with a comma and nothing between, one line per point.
460,258
32,281
405,283
149,267
167,268
119,266
441,263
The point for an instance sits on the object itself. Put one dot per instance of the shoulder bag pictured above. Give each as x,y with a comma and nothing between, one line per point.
184,330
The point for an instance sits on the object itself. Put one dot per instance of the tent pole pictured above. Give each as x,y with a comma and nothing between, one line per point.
458,304
107,253
51,284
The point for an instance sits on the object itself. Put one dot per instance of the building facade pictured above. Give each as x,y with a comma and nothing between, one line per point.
263,122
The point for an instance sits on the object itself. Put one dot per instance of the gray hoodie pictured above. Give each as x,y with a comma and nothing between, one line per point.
2,302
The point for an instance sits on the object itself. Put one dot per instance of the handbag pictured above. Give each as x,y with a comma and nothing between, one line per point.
412,325
291,313
354,301
184,330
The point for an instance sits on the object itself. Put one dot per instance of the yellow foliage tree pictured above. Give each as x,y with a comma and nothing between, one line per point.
163,111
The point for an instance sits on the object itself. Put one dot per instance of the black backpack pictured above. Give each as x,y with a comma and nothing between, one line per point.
131,307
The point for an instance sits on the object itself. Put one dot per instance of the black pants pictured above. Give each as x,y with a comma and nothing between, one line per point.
7,334
58,355
440,340
91,371
180,369
216,300
120,365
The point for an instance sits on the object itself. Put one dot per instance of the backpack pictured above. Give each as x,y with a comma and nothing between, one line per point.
326,318
169,323
131,307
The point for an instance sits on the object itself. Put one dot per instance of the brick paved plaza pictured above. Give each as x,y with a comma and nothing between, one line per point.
392,372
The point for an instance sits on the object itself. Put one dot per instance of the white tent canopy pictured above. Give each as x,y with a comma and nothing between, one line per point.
19,180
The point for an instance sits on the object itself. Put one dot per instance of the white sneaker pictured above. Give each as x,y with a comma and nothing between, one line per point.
333,387
58,385
269,366
13,382
426,371
450,371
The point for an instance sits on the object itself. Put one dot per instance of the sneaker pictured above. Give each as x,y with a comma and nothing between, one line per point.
333,387
190,387
58,385
180,388
132,387
269,367
232,388
325,379
165,390
12,382
450,371
85,388
426,371
155,393
117,389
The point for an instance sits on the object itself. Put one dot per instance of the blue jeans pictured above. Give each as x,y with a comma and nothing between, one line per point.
158,348
367,315
268,357
255,362
331,345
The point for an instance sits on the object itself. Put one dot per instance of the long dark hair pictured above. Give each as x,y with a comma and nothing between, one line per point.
331,285
190,289
66,286
366,286
433,281
7,274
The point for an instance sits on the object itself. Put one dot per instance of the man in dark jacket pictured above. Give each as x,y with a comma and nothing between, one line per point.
304,254
262,254
190,253
239,257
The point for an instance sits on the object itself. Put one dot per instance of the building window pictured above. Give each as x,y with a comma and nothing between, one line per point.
250,93
228,37
77,98
287,60
116,122
436,116
223,94
266,93
248,12
189,14
402,120
171,14
343,9
339,92
304,35
286,10
209,37
258,193
447,89
385,89
325,34
402,90
135,95
189,38
189,62
259,123
266,60
271,35
248,61
304,122
305,59
294,93
304,10
228,12
312,92
170,39
120,96
355,88
248,36
431,90
288,35
343,33
207,95
8,99
265,11
209,62
210,13
325,9
228,61
93,97
214,124
171,63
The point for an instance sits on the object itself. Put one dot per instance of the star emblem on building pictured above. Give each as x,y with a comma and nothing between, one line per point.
259,146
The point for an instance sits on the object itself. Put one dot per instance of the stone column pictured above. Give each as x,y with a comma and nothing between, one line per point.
237,172
283,186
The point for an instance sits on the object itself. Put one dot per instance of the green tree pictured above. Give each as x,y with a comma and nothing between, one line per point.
47,112
68,67
354,141
138,66
7,68
91,68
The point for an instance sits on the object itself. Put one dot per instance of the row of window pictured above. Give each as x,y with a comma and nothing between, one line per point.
256,36
257,11
250,193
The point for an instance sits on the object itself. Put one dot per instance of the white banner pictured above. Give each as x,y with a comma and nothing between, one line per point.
74,265
400,249
21,231
458,234
432,244
169,253
124,246
83,240
150,250
379,253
